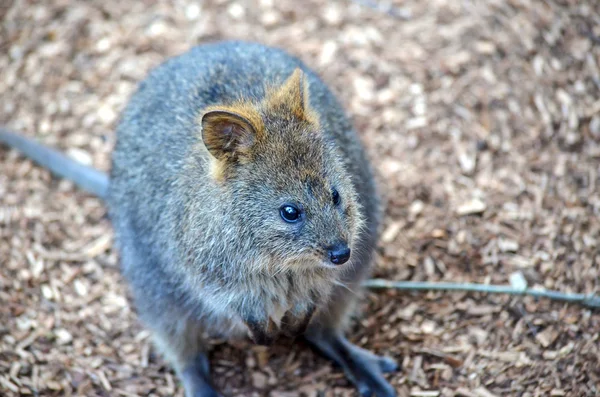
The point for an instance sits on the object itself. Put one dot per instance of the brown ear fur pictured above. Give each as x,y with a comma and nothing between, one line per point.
228,132
292,96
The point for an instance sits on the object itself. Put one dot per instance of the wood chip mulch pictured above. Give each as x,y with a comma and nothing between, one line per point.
482,119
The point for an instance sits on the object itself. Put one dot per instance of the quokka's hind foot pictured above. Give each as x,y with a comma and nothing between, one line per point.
363,368
196,378
182,344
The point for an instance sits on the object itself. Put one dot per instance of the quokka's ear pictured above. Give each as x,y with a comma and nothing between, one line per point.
229,134
292,96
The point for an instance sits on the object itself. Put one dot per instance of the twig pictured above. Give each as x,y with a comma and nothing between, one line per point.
591,300
396,12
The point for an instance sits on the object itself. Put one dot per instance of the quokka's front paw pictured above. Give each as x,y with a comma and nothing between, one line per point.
262,332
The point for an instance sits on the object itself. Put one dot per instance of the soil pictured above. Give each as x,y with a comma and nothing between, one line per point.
482,119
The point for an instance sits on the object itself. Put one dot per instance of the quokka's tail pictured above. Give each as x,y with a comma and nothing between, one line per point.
88,178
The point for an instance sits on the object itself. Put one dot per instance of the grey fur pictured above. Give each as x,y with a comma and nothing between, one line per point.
159,180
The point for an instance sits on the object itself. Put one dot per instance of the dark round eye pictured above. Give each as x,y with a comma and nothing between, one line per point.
289,213
335,196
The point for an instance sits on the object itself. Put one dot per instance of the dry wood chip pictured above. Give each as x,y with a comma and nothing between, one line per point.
462,392
391,232
259,380
104,380
424,393
471,207
453,361
483,392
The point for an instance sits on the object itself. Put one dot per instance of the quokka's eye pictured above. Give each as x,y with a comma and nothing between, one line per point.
289,213
335,196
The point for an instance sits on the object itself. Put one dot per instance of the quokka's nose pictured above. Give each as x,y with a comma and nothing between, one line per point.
339,253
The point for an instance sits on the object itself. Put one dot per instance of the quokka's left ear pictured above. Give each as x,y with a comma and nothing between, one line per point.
229,134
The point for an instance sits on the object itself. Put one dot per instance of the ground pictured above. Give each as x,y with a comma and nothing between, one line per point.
482,119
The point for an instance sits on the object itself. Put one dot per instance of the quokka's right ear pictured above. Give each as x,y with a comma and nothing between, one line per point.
229,134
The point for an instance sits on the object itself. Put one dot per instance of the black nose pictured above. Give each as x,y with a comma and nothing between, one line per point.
339,254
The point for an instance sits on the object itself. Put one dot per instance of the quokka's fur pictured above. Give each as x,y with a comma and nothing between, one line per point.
210,146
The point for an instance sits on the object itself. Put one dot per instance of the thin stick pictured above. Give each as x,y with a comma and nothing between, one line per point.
591,300
396,12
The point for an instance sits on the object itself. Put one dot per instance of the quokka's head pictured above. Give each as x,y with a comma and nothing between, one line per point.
283,178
